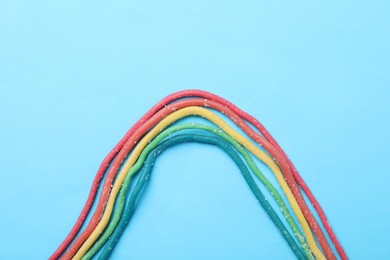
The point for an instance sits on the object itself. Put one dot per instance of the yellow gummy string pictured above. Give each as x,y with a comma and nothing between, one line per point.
202,112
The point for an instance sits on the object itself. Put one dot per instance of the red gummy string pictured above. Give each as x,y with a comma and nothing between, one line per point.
95,219
97,215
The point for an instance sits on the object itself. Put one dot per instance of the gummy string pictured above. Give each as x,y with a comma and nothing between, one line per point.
148,115
148,165
188,111
112,172
122,196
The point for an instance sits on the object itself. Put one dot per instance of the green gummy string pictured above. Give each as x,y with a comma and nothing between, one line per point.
122,196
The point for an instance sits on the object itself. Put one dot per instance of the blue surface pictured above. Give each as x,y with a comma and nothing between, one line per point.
74,76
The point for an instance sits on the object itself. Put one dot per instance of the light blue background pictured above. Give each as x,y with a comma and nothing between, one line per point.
75,75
